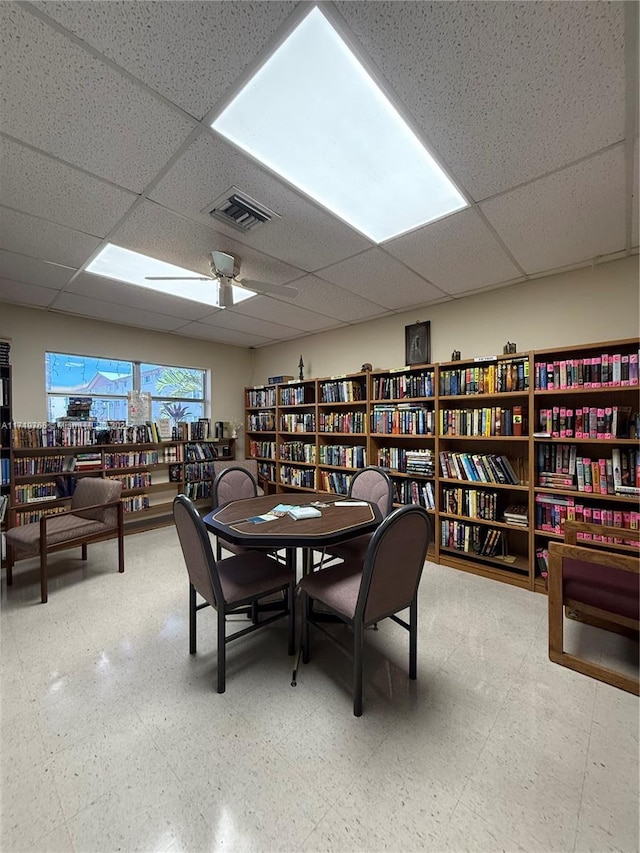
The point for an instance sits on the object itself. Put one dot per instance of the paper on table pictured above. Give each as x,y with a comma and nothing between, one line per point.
282,508
260,519
351,503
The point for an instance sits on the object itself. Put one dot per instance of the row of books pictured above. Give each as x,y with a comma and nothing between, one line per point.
290,476
261,422
475,503
502,377
198,471
200,450
471,538
414,492
5,347
258,398
561,463
135,503
600,371
484,422
404,385
586,422
403,419
4,504
66,433
300,422
4,391
199,430
298,451
342,391
353,422
29,492
5,471
335,481
346,455
262,449
198,489
476,467
55,435
297,395
25,466
267,470
141,480
552,511
132,459
32,515
173,453
86,461
407,461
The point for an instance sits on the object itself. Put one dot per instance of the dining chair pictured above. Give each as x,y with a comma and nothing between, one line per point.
229,586
95,514
368,484
232,484
363,593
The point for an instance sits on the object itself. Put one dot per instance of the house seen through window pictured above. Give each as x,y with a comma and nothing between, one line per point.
177,393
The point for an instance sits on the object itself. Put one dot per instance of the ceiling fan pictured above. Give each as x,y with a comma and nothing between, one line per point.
222,267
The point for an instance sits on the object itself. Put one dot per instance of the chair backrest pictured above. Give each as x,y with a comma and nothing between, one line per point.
394,562
233,484
91,491
197,550
373,484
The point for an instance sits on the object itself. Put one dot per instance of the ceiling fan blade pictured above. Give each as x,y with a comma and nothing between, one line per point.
178,278
265,287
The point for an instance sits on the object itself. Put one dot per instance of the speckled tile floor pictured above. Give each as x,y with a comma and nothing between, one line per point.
114,739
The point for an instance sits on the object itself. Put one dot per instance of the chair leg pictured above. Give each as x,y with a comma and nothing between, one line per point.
358,651
222,650
304,639
121,552
291,593
192,619
413,638
43,575
84,551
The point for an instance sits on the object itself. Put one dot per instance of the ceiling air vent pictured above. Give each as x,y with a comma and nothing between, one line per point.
240,211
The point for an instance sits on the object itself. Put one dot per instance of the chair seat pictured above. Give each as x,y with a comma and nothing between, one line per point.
250,575
336,586
60,528
604,587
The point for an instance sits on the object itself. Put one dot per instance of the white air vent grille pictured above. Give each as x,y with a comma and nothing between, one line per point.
240,211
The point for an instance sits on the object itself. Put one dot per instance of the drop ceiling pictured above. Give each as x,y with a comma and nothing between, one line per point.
105,137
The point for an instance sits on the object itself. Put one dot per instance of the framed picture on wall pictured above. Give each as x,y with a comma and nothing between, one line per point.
417,343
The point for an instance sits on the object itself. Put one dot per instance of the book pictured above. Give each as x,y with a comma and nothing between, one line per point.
275,380
301,512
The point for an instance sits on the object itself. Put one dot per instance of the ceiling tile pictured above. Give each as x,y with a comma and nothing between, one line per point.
572,216
130,296
95,309
37,184
375,276
223,336
63,100
22,268
19,293
276,311
305,235
504,91
192,53
229,319
457,253
156,231
38,238
318,295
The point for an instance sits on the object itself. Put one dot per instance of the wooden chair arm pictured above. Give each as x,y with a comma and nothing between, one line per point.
70,511
601,557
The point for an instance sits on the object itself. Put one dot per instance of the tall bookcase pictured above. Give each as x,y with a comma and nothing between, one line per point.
41,478
462,439
585,441
5,451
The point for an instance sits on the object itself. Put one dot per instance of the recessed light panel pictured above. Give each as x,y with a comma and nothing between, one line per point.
135,268
314,115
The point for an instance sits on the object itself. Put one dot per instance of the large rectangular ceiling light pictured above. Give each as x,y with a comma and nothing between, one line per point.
314,115
135,268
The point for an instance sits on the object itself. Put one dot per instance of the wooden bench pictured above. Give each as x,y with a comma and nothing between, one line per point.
601,586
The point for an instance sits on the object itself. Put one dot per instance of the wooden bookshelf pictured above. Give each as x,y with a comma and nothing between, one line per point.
416,409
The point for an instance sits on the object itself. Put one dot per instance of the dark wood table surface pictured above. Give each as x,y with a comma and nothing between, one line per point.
336,524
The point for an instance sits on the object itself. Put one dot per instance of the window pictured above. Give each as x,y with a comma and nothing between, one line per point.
177,393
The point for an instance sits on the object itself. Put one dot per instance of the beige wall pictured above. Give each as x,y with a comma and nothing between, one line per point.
33,332
593,304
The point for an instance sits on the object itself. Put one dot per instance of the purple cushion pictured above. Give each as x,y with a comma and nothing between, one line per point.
613,590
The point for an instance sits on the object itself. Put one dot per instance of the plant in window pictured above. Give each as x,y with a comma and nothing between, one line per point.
179,382
175,411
